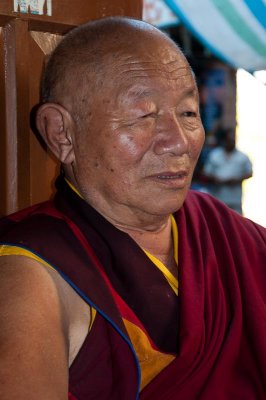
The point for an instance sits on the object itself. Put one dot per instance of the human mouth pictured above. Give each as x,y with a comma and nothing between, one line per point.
176,179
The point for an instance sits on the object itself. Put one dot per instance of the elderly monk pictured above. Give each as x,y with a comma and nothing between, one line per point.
127,285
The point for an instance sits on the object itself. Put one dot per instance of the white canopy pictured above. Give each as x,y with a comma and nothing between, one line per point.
157,13
233,30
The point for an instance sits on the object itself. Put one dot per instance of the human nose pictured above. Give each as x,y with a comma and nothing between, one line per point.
171,136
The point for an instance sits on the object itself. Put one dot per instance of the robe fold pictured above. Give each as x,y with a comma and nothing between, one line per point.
215,328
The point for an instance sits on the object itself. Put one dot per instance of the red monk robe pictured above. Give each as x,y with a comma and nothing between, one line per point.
216,329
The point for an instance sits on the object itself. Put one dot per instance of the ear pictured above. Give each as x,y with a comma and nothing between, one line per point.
55,125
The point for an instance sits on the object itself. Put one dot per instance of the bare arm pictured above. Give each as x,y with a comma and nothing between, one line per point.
33,334
230,181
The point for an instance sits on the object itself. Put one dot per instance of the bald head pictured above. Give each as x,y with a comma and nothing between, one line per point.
79,64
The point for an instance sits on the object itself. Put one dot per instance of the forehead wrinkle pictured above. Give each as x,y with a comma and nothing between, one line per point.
151,73
143,69
135,65
132,68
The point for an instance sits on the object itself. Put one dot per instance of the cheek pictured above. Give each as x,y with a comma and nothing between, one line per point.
196,143
128,145
132,146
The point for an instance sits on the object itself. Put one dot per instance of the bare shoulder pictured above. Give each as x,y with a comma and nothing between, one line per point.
36,327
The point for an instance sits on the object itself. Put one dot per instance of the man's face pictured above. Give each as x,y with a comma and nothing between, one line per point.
144,135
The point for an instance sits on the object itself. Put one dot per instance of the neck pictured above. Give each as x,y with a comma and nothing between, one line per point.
158,242
151,225
153,233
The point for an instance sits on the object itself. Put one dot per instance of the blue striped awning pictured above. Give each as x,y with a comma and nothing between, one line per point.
233,30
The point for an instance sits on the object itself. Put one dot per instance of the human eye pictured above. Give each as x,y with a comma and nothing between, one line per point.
190,114
140,118
191,119
148,115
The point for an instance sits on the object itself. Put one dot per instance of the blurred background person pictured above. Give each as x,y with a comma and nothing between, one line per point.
225,169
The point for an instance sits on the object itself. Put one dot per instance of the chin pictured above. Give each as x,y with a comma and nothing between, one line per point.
167,207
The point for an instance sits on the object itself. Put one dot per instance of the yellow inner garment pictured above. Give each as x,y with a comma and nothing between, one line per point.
6,250
173,282
151,361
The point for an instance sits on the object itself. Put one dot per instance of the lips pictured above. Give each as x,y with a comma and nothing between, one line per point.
177,179
167,175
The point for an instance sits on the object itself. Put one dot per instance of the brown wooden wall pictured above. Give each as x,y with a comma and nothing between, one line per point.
27,170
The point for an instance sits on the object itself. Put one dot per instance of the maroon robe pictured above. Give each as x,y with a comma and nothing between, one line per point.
216,328
222,291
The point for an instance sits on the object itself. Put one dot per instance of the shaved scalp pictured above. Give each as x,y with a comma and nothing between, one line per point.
78,65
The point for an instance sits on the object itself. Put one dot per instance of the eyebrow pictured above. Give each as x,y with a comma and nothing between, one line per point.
139,93
191,92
